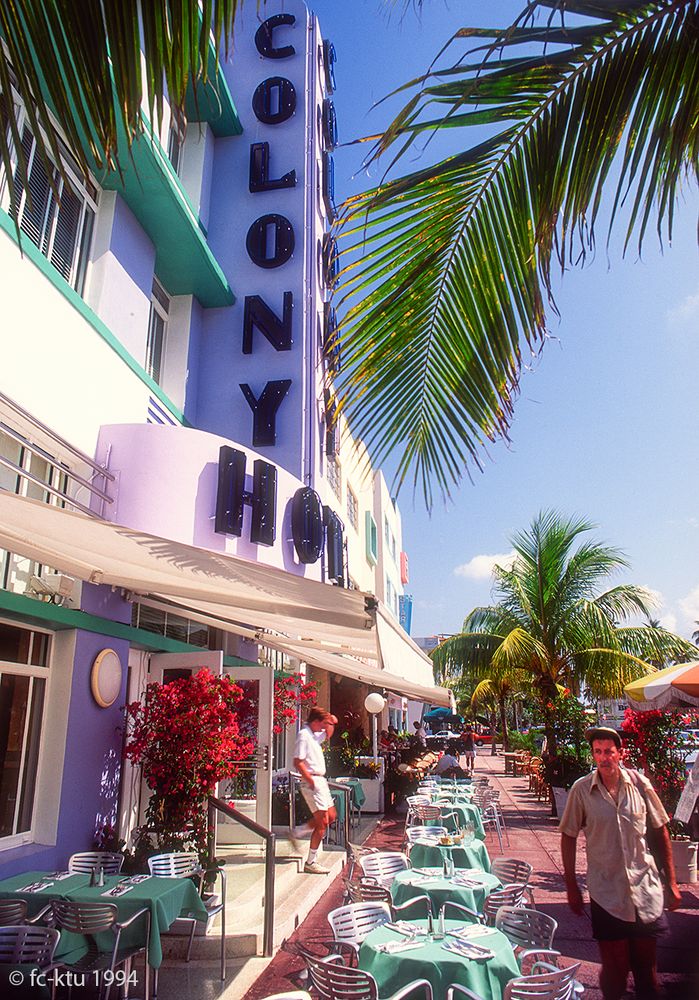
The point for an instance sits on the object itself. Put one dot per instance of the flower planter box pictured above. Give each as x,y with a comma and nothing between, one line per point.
684,854
230,832
373,791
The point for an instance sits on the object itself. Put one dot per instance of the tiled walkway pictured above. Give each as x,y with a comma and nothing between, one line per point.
533,837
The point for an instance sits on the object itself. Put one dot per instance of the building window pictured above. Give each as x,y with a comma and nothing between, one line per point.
24,659
372,540
391,597
58,220
16,458
352,509
157,331
389,538
175,139
171,626
333,473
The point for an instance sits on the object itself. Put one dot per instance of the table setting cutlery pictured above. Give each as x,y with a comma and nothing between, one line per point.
392,947
36,886
404,927
60,876
118,890
468,950
137,879
427,871
472,931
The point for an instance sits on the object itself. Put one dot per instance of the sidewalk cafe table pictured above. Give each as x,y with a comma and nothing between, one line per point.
429,854
487,977
509,762
356,791
166,898
464,812
440,889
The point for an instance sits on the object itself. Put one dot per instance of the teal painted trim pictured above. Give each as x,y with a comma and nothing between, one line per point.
78,303
184,262
58,618
213,103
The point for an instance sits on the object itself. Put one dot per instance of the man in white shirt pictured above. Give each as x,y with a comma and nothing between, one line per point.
309,761
449,766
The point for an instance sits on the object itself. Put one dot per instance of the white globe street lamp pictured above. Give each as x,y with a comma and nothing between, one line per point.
374,703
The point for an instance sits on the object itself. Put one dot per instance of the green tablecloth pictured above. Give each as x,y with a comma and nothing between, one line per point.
465,812
486,977
167,899
12,888
424,854
409,884
358,796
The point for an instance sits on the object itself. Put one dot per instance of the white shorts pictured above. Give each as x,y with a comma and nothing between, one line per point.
317,798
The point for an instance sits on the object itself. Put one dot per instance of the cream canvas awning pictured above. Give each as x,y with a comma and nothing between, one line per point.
340,630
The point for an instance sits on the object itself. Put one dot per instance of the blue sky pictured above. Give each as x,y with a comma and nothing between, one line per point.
606,423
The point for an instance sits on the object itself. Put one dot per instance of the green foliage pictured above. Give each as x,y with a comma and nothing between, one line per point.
525,741
451,265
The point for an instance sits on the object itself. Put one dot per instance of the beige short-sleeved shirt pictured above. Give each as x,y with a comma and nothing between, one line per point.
621,874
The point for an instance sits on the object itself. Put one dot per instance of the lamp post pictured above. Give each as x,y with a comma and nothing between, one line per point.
374,704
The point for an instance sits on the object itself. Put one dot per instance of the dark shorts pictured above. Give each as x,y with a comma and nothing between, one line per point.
605,927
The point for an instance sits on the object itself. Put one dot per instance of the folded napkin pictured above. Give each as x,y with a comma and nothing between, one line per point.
468,883
470,871
427,871
468,950
135,879
391,947
118,890
472,931
60,876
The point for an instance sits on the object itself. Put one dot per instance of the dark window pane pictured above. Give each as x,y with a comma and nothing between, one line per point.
14,643
40,649
14,692
31,759
65,239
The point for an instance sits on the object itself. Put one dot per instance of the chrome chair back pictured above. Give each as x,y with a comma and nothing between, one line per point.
353,922
27,945
85,862
511,870
384,865
12,912
546,983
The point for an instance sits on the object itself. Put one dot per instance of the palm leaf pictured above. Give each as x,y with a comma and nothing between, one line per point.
79,72
451,266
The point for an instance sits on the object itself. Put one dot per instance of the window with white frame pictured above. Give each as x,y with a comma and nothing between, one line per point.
24,671
56,214
389,538
157,331
352,509
333,473
16,571
176,137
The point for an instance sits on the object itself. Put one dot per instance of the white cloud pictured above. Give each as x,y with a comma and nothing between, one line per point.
687,311
481,567
689,605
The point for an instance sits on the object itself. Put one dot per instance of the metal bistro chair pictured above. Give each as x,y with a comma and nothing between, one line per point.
353,922
85,862
90,919
369,891
510,870
384,865
13,912
530,932
413,833
24,945
414,801
356,853
547,984
185,864
509,895
334,981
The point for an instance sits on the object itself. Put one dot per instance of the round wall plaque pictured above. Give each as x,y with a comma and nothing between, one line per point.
105,678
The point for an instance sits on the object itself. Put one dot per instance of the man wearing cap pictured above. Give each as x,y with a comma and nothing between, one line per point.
612,806
309,761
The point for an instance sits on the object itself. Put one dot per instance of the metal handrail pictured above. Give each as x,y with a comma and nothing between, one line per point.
294,776
270,843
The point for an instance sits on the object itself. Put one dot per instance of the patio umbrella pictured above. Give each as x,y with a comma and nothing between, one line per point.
437,714
673,687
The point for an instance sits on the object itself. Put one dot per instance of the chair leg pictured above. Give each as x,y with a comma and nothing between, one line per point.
155,982
223,943
191,939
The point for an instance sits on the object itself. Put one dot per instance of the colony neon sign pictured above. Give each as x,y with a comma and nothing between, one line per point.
270,240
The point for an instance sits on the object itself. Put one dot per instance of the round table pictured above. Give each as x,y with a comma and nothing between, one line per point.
431,961
409,884
465,812
427,854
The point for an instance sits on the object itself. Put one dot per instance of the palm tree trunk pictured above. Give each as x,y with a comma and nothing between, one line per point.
493,724
503,724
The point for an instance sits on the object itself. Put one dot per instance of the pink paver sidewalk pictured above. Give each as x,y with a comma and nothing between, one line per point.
534,838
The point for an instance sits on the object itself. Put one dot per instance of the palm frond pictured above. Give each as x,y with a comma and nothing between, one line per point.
451,266
79,72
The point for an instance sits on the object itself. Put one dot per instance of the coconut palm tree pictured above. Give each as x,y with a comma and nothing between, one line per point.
553,625
79,71
579,106
493,692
